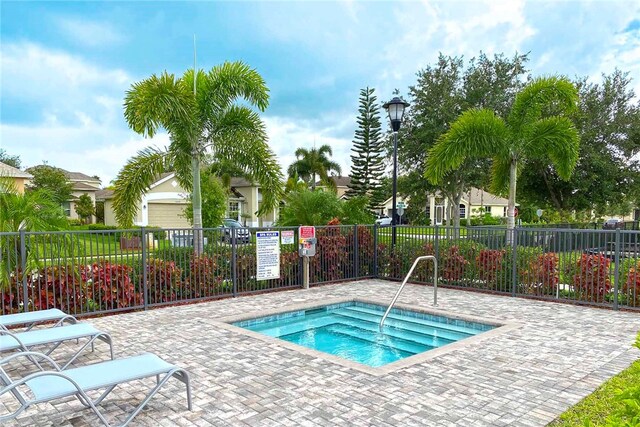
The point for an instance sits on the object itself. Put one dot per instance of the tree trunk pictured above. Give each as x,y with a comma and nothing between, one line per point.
456,215
467,211
511,206
196,201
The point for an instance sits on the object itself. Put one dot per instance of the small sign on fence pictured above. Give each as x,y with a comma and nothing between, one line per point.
267,255
287,237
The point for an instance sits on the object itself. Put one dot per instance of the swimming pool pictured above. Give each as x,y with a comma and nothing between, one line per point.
350,330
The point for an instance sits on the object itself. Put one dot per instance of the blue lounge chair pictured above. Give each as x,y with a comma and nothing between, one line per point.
25,341
47,386
32,318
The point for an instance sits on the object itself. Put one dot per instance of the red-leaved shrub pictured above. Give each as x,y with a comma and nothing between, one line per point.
591,277
489,266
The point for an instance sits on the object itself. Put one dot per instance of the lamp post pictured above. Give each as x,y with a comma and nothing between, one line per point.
395,109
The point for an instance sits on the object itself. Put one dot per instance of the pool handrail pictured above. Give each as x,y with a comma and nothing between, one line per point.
406,279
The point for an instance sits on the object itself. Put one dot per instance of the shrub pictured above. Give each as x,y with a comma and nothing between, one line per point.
366,251
206,278
158,232
109,286
331,255
164,282
541,276
56,287
490,267
454,264
101,227
590,277
630,278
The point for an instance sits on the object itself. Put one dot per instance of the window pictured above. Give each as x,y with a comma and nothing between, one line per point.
234,210
66,208
504,211
487,209
463,210
428,212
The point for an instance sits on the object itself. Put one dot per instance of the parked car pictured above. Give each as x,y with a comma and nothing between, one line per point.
385,220
243,235
612,224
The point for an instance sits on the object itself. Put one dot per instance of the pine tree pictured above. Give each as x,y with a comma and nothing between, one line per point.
367,161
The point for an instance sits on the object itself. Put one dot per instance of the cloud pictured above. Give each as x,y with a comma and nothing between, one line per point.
90,33
60,85
286,135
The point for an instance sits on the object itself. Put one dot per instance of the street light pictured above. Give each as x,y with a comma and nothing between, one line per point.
395,109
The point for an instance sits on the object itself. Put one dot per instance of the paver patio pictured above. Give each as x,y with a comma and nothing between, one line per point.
524,377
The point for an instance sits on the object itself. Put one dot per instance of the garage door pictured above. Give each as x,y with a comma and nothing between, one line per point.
167,215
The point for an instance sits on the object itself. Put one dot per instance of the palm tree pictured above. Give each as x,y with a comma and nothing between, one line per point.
536,128
314,162
205,123
36,210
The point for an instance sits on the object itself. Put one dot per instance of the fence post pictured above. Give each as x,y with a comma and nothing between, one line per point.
356,261
616,271
514,261
436,238
145,274
23,270
234,261
375,250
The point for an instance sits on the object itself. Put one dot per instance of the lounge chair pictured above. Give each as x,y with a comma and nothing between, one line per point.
47,386
25,341
32,318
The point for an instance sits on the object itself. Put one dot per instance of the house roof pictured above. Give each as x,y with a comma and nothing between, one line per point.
241,182
78,176
10,171
341,181
104,194
478,195
81,186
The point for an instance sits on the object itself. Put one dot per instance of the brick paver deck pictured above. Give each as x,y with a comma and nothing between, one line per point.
524,377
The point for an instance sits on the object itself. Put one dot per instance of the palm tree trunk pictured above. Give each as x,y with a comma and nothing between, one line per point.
511,206
196,201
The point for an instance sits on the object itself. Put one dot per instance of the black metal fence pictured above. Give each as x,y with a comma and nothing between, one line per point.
92,272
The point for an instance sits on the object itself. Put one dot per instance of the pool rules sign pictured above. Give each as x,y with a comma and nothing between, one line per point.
268,255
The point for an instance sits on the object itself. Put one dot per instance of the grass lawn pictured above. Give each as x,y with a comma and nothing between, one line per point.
601,403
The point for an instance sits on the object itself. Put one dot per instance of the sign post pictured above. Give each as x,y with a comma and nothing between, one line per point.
267,255
400,209
306,248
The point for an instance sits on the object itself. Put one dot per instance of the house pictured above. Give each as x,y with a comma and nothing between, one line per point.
342,185
474,202
164,203
81,184
17,177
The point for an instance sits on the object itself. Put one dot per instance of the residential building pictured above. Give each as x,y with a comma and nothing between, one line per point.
164,203
81,184
474,202
17,177
342,185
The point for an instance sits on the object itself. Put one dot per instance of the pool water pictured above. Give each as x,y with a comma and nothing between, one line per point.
351,330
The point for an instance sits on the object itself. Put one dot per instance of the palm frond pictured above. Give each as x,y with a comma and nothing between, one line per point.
325,150
158,102
229,81
500,175
477,133
555,138
134,179
558,94
239,136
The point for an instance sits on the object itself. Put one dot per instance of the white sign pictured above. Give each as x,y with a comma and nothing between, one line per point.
539,212
287,237
268,255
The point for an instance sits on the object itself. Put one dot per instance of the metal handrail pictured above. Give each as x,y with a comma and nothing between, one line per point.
406,279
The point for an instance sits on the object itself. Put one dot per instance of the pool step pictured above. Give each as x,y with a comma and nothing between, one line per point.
404,325
426,322
354,332
426,340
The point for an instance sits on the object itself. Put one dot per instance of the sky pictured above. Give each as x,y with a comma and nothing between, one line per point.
65,66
